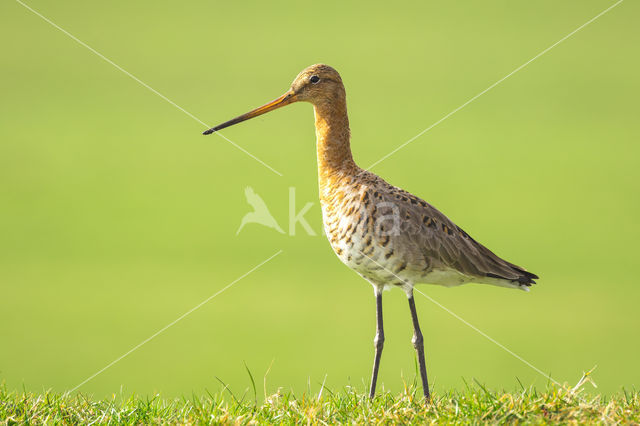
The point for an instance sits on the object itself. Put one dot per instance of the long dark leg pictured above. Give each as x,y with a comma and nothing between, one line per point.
378,342
418,343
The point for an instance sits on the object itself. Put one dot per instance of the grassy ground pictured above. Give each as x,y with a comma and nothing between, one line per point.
475,404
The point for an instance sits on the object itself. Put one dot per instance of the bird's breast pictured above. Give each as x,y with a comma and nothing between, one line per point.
358,236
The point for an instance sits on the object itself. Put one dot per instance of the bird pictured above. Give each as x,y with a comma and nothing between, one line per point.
260,213
387,235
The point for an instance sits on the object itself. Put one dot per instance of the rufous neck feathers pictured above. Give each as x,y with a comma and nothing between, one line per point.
333,135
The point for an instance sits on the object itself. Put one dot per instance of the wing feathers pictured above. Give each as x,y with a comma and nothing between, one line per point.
427,234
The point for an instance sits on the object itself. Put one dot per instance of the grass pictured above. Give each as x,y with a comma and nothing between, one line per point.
475,404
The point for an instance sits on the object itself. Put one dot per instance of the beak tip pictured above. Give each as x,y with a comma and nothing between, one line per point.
208,132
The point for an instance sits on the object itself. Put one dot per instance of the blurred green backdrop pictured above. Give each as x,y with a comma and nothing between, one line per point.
117,216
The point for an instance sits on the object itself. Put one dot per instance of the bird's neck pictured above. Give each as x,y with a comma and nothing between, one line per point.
334,150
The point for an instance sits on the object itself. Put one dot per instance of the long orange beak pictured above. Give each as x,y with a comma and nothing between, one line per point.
283,100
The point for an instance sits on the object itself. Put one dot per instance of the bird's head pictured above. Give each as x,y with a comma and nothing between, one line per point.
317,84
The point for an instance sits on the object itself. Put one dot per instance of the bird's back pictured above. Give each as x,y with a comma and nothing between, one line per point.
390,236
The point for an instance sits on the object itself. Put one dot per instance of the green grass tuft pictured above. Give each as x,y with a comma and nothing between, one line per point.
476,404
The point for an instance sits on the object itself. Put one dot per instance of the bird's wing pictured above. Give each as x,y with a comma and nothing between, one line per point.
428,238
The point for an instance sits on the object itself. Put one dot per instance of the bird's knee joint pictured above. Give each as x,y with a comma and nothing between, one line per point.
378,341
417,340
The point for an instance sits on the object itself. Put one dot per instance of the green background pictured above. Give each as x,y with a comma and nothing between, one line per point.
117,216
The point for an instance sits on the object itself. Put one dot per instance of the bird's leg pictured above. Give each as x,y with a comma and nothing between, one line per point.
378,342
418,343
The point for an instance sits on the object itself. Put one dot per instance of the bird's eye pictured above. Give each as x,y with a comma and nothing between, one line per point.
314,79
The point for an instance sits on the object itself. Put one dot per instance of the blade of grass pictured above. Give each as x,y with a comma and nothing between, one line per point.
253,384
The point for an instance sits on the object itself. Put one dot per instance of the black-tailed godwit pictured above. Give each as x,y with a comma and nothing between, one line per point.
387,235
